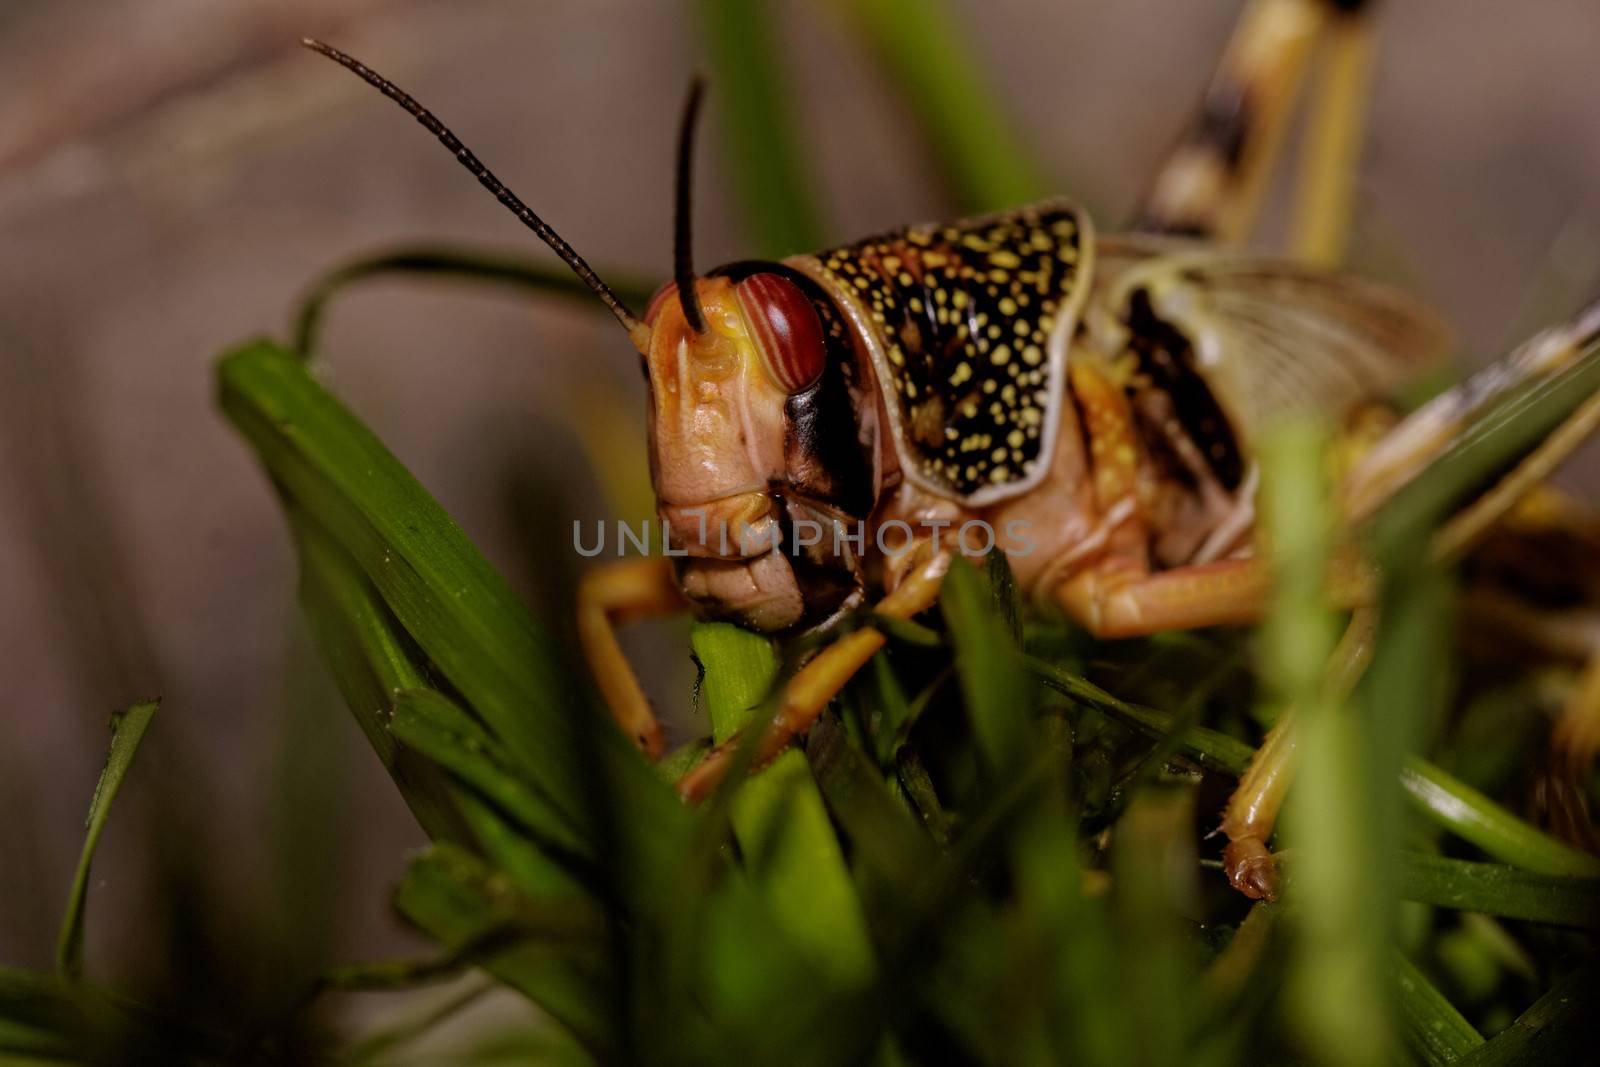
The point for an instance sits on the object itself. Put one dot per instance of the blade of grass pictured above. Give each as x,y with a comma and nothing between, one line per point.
1433,1031
923,46
1558,1028
371,660
553,954
998,693
762,139
1154,865
60,1020
461,264
1475,818
433,725
501,811
1336,980
1445,801
460,613
1511,428
127,730
1497,889
789,846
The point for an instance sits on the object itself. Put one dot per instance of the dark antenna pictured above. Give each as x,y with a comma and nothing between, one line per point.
638,332
682,221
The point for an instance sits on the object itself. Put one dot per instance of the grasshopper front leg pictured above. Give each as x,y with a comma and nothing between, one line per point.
608,596
819,681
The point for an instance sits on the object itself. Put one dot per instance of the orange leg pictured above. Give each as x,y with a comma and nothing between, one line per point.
1252,810
1110,602
815,684
1213,182
610,596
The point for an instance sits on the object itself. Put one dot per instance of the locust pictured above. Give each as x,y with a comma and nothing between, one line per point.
1101,393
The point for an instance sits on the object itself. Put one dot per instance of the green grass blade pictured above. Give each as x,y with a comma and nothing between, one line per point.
920,43
127,730
789,846
1497,889
1337,970
1434,1032
552,953
514,825
747,90
1510,429
998,692
1211,749
457,264
1474,817
371,660
1445,801
458,611
1559,1028
48,1019
1154,866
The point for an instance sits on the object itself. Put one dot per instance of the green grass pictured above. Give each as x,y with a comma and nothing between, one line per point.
995,846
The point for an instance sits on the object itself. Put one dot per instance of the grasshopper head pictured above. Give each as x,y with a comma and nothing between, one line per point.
724,401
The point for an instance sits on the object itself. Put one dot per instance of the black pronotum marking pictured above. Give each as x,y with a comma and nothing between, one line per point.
965,311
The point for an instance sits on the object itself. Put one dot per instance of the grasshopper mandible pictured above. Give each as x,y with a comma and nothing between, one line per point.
1015,371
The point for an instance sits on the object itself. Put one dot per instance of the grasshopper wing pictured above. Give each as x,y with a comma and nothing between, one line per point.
1268,338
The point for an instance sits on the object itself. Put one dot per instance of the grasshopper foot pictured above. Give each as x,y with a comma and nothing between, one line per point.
1251,868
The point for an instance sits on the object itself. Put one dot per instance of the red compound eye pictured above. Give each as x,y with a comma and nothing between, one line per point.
786,328
653,308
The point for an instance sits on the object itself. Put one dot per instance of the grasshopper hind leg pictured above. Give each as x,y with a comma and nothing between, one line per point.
1214,180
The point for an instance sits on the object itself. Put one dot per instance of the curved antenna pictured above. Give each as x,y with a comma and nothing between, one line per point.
682,222
638,332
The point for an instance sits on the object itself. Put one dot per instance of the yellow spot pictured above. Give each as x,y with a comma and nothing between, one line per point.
1031,355
1000,355
959,298
1015,438
962,373
999,474
1005,259
903,278
1008,306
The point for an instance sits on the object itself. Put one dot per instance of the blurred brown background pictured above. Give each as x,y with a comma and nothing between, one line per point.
174,172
